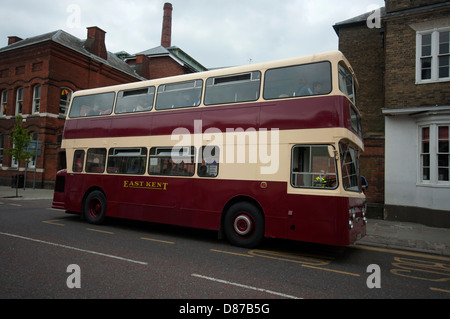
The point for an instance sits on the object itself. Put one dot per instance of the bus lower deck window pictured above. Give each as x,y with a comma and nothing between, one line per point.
312,167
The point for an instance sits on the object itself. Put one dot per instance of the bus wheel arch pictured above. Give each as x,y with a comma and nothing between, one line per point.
243,222
94,206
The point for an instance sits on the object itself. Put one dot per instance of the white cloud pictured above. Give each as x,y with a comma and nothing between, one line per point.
216,33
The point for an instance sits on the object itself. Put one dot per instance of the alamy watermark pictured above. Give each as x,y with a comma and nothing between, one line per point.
263,145
74,279
74,18
374,279
374,19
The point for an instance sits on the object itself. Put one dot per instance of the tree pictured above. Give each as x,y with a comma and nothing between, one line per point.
20,140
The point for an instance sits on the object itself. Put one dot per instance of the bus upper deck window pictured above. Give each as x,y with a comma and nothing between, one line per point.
179,95
299,80
92,105
138,100
233,88
347,83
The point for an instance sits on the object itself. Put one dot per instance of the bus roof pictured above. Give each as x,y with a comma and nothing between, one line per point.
330,56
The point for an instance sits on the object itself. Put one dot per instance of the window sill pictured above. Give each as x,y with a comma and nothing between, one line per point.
420,82
434,185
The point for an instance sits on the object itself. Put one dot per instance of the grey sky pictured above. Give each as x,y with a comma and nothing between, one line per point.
215,33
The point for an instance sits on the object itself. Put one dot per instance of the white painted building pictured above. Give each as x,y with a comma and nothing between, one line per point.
417,185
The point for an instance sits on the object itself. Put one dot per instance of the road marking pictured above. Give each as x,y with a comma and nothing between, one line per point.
429,270
402,252
53,222
332,270
231,253
159,241
292,257
308,261
245,286
100,231
76,249
440,290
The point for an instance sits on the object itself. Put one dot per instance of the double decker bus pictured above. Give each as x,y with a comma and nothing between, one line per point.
268,150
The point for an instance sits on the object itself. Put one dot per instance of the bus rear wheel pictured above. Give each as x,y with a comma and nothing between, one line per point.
244,225
95,208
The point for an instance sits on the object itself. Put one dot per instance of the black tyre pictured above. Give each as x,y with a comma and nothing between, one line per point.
244,225
95,208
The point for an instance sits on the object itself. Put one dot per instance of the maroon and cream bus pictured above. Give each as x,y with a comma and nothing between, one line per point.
264,150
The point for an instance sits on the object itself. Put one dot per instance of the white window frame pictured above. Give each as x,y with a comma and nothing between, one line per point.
4,102
434,56
19,99
433,179
1,150
14,162
62,103
33,159
37,89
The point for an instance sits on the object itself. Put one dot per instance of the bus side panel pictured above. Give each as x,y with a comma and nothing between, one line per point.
324,220
59,195
320,112
197,203
69,192
190,202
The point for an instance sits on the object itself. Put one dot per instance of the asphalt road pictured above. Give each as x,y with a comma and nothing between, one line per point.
46,253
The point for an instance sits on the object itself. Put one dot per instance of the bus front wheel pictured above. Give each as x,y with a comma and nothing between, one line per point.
244,225
95,207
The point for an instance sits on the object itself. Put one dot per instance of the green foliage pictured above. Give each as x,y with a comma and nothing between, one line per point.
20,140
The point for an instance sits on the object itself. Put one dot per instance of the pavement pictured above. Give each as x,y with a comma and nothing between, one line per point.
380,233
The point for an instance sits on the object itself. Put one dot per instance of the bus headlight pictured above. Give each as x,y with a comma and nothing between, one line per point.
364,209
352,213
350,224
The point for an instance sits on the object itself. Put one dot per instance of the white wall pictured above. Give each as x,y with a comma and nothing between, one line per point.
402,184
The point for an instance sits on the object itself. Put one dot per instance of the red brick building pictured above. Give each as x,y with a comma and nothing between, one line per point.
37,77
39,74
164,60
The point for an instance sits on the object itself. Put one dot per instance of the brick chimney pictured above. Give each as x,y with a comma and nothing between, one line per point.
166,36
143,66
95,42
13,39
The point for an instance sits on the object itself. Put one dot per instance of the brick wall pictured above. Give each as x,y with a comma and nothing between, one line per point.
401,90
398,5
53,67
372,168
162,67
364,49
